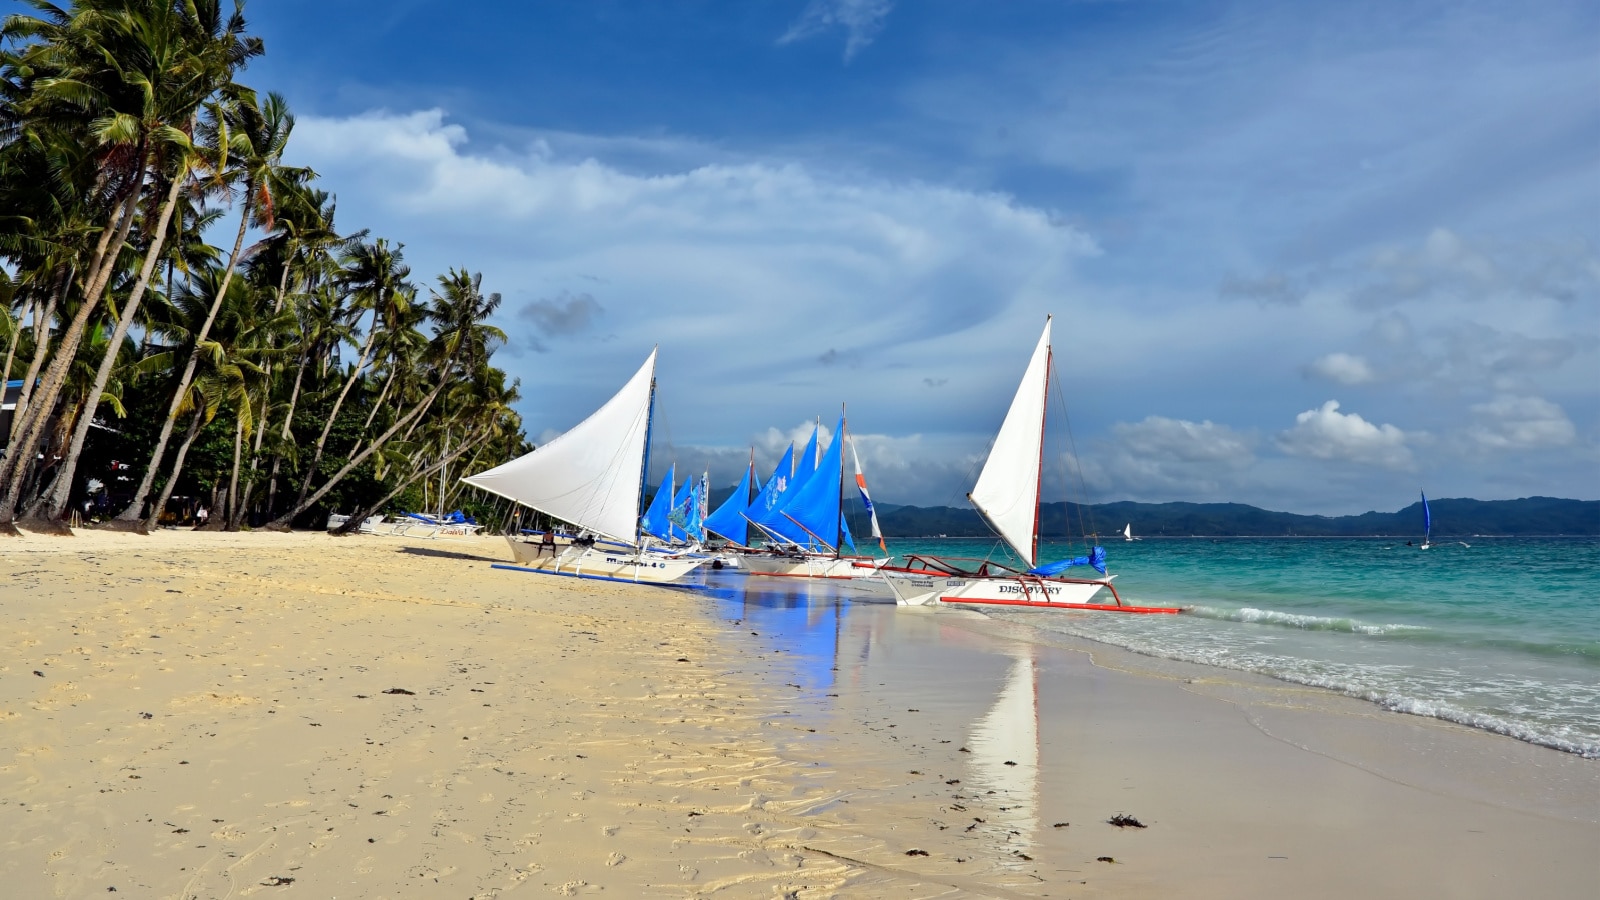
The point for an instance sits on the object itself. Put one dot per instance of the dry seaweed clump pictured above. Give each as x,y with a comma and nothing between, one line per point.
1123,820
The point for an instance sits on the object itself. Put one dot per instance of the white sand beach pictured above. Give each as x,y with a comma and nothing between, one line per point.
196,715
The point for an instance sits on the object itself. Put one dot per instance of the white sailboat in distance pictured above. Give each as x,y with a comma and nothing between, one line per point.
593,476
1007,497
1127,532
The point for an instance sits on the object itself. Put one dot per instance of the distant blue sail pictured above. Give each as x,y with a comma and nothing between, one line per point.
655,522
679,515
844,534
729,521
1427,517
807,463
813,509
1096,558
696,516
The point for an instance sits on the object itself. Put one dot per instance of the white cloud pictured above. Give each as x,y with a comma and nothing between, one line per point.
752,276
1328,434
1161,438
1521,423
1161,458
1343,368
860,19
1447,265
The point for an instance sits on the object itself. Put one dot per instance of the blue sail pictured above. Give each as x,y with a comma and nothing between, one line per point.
655,522
813,509
729,520
679,516
1427,517
807,463
696,518
844,534
772,492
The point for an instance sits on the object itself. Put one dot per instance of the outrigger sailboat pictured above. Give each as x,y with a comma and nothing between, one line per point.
593,476
799,514
1007,497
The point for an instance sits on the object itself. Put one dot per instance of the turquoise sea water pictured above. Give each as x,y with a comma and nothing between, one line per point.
1503,635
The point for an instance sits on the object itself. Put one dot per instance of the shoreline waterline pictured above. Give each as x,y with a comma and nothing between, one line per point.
1504,636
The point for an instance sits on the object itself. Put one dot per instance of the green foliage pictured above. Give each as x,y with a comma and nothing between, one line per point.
121,111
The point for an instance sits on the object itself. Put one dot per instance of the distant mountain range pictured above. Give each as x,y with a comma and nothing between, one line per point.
1451,518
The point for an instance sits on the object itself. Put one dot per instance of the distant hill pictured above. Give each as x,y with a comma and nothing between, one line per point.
1451,518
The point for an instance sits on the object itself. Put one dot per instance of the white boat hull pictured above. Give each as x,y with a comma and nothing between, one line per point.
915,589
778,565
609,563
923,589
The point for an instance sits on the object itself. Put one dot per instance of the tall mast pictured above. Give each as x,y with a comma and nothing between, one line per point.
1044,414
644,468
838,527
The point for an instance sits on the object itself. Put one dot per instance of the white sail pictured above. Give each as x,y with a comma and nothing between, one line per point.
1127,532
1007,492
592,475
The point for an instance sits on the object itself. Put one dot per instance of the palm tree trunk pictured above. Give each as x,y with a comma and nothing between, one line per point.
327,427
69,467
16,336
41,349
233,480
132,512
237,518
266,406
288,421
177,468
38,413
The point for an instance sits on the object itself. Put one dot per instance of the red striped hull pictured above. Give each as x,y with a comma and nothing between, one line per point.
1103,607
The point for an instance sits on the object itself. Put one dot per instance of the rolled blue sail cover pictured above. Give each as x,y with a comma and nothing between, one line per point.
1096,558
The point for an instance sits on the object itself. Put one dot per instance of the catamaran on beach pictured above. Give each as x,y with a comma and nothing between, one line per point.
1006,495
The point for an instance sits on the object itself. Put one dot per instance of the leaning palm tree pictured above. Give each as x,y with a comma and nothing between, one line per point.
248,144
375,278
460,310
181,151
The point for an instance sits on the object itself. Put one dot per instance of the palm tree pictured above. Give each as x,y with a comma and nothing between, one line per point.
248,144
460,309
57,503
120,73
375,276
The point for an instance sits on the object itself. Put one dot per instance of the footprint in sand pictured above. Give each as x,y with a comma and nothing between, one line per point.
616,859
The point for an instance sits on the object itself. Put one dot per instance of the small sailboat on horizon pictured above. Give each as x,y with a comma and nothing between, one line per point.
1427,523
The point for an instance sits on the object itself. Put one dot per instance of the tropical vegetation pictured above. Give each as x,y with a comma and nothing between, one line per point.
288,370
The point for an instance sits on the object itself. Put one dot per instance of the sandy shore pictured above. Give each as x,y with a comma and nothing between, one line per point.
211,715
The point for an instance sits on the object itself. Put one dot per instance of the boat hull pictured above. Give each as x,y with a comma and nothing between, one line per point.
924,589
806,566
602,562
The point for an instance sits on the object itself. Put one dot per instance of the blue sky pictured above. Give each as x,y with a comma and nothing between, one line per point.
1306,256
